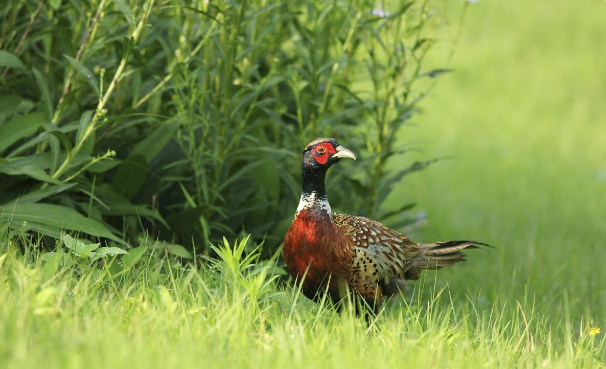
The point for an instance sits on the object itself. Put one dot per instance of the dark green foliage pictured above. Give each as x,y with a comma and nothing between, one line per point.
185,121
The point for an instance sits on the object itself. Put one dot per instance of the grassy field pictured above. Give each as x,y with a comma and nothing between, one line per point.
523,120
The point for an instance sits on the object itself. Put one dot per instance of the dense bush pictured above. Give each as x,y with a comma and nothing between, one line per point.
184,121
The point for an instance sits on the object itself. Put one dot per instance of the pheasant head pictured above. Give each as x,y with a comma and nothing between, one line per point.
319,155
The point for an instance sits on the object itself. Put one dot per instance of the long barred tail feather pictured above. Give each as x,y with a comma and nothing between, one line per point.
440,254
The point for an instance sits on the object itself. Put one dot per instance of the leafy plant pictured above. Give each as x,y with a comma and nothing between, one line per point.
81,257
184,120
249,281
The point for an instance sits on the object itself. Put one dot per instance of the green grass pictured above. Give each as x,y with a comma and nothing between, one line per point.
523,119
160,314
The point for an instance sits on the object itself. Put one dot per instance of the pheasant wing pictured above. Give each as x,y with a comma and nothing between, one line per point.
390,253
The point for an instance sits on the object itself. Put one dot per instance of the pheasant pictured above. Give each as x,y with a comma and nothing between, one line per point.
338,253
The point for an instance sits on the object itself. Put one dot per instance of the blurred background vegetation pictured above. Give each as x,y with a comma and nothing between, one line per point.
524,119
184,122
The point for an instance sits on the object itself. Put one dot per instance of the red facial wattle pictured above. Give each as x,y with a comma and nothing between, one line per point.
322,152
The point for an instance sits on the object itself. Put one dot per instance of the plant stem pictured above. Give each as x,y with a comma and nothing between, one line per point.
101,111
24,36
71,72
336,65
186,60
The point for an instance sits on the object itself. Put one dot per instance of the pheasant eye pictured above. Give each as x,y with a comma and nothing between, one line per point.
321,152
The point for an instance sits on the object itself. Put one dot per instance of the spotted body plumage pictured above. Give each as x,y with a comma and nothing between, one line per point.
344,253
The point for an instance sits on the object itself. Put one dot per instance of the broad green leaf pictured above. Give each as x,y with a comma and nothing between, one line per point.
127,208
55,4
89,77
20,167
4,231
36,228
37,139
55,217
42,160
108,251
65,141
176,250
180,251
47,98
154,143
79,248
38,195
84,122
10,60
131,175
47,256
133,256
116,204
71,243
87,250
9,106
50,267
19,128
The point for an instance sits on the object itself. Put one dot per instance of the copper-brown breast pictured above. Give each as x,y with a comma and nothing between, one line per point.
314,248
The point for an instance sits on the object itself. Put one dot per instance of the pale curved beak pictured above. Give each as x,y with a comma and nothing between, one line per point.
343,153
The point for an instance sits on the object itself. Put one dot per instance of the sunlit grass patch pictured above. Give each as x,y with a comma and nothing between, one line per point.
232,313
